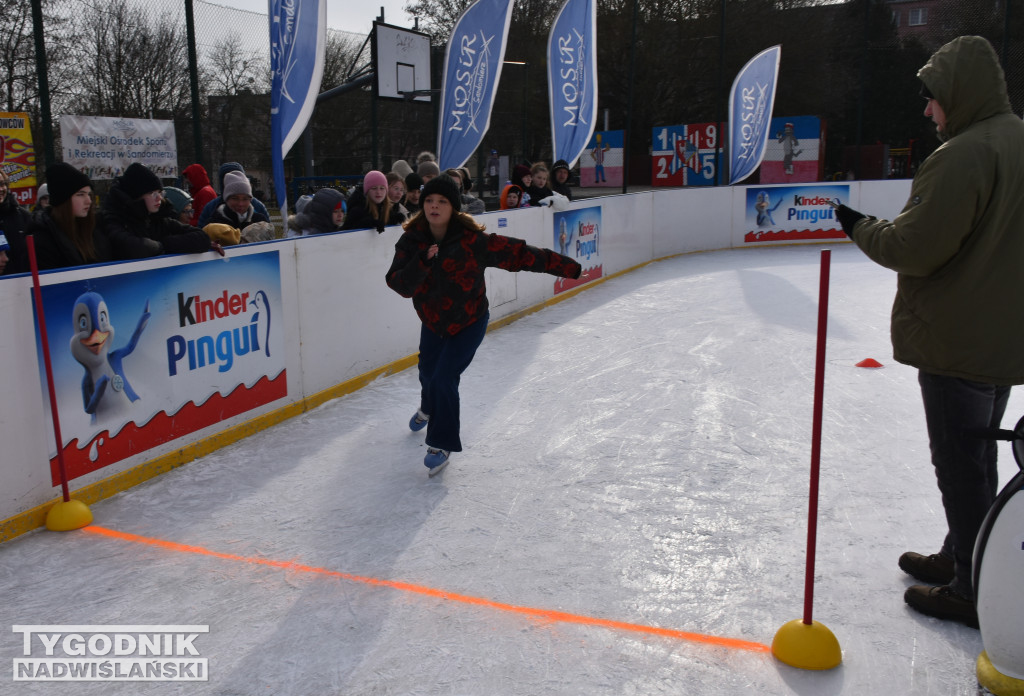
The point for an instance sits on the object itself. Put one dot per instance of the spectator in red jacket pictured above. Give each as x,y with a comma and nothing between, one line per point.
439,262
199,188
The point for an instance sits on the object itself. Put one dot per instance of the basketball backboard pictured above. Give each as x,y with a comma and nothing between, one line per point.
401,60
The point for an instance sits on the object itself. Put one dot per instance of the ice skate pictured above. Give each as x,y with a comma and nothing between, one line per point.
436,460
418,421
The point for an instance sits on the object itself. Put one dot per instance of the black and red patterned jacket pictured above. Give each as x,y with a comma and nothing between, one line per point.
448,291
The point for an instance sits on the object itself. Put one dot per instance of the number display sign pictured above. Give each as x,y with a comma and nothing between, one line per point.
687,155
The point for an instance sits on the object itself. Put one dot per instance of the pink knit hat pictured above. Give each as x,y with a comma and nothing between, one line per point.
374,178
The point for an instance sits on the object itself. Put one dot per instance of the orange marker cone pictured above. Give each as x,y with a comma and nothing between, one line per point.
869,362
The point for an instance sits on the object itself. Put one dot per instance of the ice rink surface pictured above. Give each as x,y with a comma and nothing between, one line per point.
637,458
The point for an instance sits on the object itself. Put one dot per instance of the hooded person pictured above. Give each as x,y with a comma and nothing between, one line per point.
180,204
559,182
209,208
371,208
67,233
198,183
237,210
325,212
132,220
956,248
440,262
510,196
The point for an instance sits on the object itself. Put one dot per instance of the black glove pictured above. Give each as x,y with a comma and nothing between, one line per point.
848,217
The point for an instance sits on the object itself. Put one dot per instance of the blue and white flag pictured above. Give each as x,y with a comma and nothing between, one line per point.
572,78
750,112
472,62
298,36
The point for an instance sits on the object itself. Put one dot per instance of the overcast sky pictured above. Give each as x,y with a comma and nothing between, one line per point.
347,15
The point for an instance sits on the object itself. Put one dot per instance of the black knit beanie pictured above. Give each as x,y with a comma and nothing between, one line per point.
413,182
138,179
446,186
63,181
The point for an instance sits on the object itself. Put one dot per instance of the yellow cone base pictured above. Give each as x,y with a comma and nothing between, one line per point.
807,647
67,516
995,681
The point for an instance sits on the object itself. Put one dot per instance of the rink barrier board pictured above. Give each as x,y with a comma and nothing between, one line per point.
637,229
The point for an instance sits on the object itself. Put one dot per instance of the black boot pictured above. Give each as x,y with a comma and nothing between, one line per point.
935,569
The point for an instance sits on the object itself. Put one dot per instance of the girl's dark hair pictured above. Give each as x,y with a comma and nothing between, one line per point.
79,230
419,221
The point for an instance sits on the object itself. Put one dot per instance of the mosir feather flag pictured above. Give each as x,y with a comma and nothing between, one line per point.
472,69
572,78
750,112
298,35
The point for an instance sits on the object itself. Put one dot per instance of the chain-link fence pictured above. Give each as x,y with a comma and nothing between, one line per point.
853,64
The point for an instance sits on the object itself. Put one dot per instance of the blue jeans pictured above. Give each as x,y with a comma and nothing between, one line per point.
443,359
965,464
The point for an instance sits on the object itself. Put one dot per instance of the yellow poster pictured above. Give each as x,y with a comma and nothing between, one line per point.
17,156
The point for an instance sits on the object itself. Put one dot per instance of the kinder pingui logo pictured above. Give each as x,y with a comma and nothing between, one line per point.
250,314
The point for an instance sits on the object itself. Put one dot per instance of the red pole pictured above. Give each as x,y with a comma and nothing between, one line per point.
819,392
49,368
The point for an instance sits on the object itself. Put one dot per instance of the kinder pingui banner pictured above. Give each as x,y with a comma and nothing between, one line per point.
578,236
140,359
104,147
685,155
17,155
793,213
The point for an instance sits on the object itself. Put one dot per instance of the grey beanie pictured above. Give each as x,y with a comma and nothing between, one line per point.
236,183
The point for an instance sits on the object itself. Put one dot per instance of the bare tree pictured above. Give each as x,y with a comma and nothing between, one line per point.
127,61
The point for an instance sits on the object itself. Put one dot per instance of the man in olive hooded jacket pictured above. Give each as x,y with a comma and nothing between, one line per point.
958,316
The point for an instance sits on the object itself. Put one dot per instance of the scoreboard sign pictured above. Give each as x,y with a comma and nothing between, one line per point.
687,155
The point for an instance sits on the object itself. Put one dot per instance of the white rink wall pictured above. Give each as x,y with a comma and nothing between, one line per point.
341,321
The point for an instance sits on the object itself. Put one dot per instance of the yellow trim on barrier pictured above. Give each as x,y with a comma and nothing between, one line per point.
36,517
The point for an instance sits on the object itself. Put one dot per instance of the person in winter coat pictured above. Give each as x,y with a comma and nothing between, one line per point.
208,210
132,220
470,204
42,199
538,189
14,222
370,207
440,262
522,178
413,183
325,212
237,210
66,234
560,179
199,188
958,250
396,194
510,197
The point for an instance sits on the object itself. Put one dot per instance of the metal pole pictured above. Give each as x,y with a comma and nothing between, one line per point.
193,78
721,96
629,101
44,85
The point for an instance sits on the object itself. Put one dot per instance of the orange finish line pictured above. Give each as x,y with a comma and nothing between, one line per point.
544,615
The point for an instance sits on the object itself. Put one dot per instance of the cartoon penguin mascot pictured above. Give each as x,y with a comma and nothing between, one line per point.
261,319
998,569
90,346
